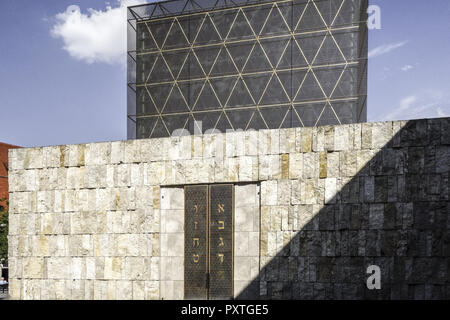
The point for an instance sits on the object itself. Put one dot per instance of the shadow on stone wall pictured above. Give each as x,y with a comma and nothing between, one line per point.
403,226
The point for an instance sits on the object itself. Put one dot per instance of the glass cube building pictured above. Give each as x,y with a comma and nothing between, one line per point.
202,66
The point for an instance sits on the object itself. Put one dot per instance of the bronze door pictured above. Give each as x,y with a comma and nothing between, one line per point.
208,270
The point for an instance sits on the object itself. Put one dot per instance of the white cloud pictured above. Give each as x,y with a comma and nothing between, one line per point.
441,113
95,36
407,67
385,48
404,106
430,104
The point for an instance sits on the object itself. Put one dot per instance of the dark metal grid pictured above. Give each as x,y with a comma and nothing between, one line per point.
221,242
196,242
233,69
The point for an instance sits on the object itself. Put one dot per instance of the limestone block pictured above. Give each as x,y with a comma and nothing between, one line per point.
124,290
210,145
217,148
47,289
47,179
172,244
27,224
33,158
114,267
175,172
330,190
31,290
245,171
13,224
284,192
269,194
442,159
14,163
100,289
197,146
275,218
156,220
343,138
63,289
219,170
357,138
144,197
231,144
172,221
155,263
310,191
318,139
310,165
295,192
33,268
138,290
30,180
111,290
253,244
241,244
240,143
285,225
170,290
244,218
59,267
42,245
232,169
117,152
348,163
75,178
90,268
246,195
376,216
381,134
369,189
17,158
62,178
323,164
151,290
333,167
172,268
287,140
329,138
269,167
242,268
97,153
78,266
251,142
366,134
123,175
274,141
172,198
88,289
363,159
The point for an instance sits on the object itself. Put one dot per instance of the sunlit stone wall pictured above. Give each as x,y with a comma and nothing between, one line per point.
92,221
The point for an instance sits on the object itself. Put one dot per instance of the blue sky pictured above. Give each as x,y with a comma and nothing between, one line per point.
59,84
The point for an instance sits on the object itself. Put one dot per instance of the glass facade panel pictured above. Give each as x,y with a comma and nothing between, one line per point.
218,65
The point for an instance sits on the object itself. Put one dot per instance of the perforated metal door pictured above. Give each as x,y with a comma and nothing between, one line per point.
209,242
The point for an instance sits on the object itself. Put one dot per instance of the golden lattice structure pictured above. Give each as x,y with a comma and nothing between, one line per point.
216,65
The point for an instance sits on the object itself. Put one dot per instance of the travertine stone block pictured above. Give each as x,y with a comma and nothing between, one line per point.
310,165
287,140
269,193
295,165
381,134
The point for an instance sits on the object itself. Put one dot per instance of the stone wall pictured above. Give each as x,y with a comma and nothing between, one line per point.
91,222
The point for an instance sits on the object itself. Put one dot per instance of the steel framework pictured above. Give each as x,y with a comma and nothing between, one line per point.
219,65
